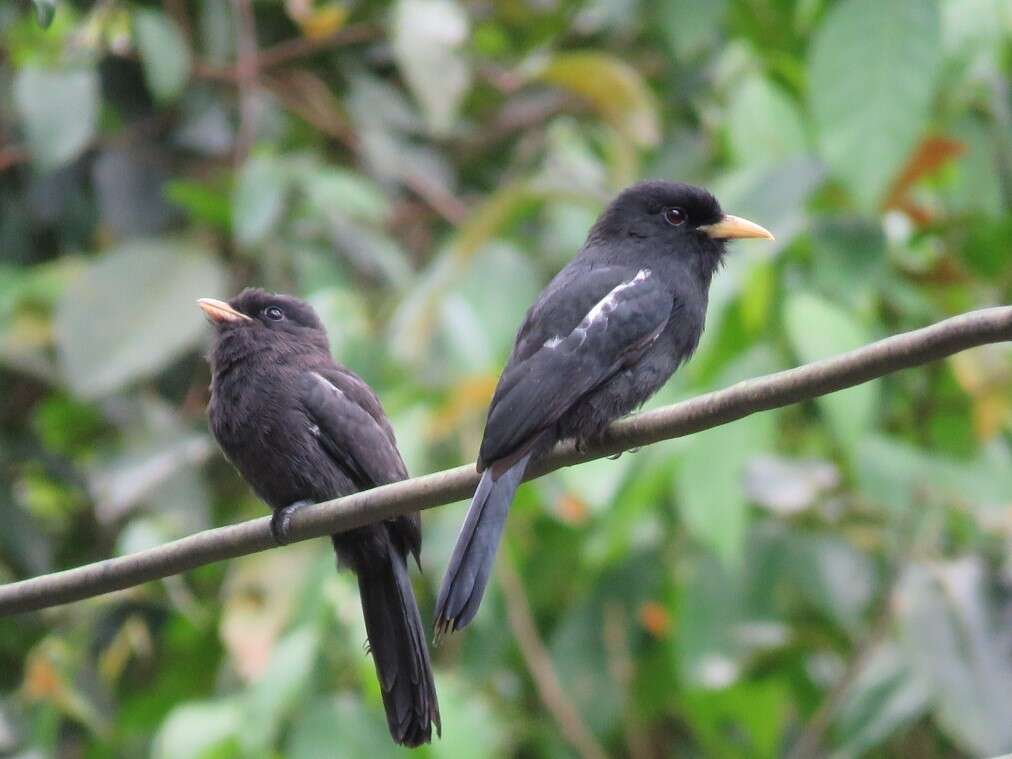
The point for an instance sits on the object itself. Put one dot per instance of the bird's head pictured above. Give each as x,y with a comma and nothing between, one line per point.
674,219
257,321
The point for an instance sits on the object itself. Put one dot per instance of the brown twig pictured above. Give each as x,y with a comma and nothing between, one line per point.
540,667
989,325
623,670
301,47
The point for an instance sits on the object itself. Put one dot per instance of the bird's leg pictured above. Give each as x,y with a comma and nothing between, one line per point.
281,521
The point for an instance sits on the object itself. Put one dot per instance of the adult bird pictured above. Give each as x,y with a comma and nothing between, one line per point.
300,428
601,338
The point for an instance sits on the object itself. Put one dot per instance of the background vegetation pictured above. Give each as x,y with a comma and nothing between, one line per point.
833,577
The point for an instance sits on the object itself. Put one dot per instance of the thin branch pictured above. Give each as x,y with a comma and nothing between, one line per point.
539,664
300,47
990,325
623,672
290,50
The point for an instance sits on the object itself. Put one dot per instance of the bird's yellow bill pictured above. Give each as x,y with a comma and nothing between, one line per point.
219,312
736,228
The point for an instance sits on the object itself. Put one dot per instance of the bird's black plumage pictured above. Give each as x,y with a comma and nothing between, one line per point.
299,427
601,338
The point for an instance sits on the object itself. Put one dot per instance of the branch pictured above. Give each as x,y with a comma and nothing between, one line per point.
989,325
539,664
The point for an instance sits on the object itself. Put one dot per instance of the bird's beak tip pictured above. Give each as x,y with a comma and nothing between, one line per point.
736,228
219,312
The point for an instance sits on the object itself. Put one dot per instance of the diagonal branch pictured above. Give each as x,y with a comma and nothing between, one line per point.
989,325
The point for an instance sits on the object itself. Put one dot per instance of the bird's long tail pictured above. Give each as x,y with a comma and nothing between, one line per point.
398,645
471,563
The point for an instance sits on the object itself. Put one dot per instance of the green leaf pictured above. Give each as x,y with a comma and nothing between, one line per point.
426,38
690,27
131,313
817,329
956,640
475,722
883,698
710,483
833,575
710,480
764,124
198,729
278,690
259,198
747,719
45,10
872,74
613,88
59,112
164,54
341,728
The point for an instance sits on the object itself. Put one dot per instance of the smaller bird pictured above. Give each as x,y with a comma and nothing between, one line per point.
300,428
600,339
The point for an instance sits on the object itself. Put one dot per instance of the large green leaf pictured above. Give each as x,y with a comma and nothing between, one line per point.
763,123
198,729
613,88
45,10
259,198
883,697
955,638
164,55
342,728
710,483
690,27
872,74
818,329
283,683
59,112
426,38
132,312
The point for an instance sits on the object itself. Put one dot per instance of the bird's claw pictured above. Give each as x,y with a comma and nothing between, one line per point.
442,628
281,521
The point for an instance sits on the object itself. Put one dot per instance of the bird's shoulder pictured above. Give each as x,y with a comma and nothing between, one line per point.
565,302
353,389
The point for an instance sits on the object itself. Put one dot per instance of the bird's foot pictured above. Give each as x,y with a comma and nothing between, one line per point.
443,627
281,521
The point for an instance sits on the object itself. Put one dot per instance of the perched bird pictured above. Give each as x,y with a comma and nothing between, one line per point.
300,428
602,337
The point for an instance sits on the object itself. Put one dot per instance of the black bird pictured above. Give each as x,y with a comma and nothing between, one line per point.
300,428
605,334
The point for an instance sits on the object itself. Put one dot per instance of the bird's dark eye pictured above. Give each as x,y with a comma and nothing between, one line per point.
675,216
274,313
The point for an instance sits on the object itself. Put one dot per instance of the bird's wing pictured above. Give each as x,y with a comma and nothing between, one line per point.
351,427
536,390
354,438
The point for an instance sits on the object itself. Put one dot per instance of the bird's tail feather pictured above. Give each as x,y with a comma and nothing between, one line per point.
398,645
474,553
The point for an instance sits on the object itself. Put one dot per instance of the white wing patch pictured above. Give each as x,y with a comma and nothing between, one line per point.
603,308
328,384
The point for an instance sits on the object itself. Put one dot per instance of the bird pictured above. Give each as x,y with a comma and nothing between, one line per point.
301,428
604,335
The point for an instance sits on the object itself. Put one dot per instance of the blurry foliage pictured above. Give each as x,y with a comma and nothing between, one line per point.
837,571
